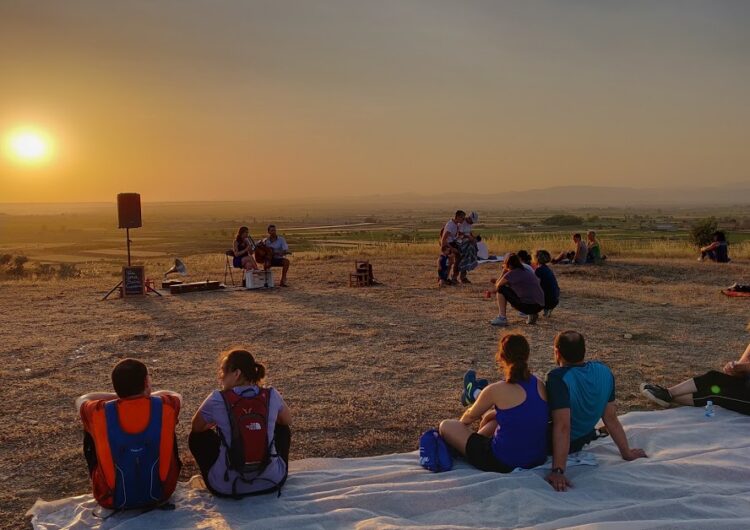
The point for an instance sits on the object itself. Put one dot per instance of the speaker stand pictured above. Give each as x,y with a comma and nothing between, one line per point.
149,289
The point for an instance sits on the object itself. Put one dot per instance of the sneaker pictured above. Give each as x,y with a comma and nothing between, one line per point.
471,385
548,312
531,319
522,314
465,280
467,396
657,394
499,321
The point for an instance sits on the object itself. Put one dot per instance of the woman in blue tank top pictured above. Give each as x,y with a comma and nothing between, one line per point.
514,417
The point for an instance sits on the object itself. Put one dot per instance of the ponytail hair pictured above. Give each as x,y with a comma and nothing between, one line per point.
513,357
242,360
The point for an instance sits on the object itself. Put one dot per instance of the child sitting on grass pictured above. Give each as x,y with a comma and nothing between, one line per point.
444,266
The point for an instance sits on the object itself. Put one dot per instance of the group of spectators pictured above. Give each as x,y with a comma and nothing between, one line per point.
240,436
514,413
131,447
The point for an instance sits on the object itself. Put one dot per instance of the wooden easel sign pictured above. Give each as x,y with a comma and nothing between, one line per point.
133,281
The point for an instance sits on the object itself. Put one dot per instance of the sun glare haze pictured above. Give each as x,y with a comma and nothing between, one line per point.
29,146
342,98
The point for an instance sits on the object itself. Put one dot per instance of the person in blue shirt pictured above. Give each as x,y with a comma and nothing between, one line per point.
547,280
579,394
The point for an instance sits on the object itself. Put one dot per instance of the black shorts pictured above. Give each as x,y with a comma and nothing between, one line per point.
479,454
277,262
515,302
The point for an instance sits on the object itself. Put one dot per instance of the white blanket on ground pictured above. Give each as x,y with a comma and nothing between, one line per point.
697,476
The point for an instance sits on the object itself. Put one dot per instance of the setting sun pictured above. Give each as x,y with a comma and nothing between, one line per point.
29,146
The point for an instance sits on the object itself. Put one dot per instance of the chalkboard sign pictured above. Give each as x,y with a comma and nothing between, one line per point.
133,281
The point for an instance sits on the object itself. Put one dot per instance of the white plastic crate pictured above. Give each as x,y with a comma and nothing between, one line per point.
259,279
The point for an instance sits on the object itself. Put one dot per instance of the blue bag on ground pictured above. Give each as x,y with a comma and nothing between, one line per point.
433,452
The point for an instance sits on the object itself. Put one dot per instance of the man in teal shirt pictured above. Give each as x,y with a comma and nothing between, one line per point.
579,393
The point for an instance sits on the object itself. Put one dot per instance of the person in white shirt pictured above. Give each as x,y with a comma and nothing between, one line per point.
482,251
280,250
448,236
465,228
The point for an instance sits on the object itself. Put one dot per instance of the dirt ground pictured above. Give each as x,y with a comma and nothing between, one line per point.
363,370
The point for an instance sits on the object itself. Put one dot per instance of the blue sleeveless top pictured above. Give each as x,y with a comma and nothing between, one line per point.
521,437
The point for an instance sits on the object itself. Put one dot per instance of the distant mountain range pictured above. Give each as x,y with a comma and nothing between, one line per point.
583,196
561,197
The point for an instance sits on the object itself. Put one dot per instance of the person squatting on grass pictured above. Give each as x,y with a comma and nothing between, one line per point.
579,393
129,440
240,436
547,281
729,388
520,288
513,429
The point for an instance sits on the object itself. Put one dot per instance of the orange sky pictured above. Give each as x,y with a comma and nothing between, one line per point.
189,100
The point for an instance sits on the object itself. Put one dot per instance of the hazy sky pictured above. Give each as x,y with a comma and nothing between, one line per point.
183,100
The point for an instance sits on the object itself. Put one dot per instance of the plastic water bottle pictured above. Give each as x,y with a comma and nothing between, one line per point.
710,412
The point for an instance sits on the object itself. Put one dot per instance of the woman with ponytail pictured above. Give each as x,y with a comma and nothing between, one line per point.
219,439
513,413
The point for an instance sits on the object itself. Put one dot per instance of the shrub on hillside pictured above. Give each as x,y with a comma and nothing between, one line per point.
68,270
45,270
17,268
563,220
702,230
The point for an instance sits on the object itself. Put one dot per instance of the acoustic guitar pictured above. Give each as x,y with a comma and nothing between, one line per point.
263,253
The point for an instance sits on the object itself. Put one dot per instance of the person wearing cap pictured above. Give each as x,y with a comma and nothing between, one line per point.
467,246
465,228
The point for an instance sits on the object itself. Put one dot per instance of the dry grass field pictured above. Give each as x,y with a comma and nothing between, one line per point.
364,370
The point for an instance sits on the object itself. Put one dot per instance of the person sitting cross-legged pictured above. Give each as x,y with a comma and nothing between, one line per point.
580,393
129,440
520,288
729,388
514,418
240,436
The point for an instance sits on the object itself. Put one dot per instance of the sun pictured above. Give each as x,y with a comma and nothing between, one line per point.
29,146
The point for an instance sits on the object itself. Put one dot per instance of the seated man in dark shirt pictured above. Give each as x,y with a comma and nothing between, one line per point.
579,393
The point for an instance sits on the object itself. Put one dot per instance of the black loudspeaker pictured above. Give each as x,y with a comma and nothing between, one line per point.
129,210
